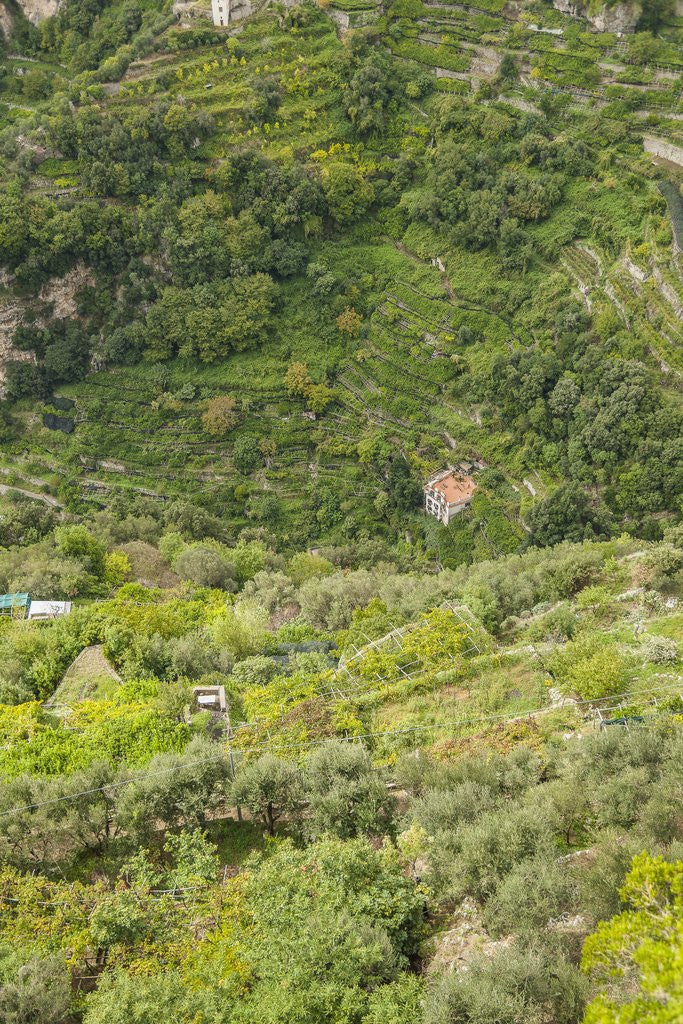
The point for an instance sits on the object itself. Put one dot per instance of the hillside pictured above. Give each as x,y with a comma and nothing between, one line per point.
444,236
278,743
440,787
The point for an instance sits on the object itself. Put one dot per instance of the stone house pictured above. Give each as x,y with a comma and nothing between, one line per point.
224,12
447,494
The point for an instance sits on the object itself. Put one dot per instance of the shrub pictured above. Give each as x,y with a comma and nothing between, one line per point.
206,567
515,986
592,667
661,650
255,671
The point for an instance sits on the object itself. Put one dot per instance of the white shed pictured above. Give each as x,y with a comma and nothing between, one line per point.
48,609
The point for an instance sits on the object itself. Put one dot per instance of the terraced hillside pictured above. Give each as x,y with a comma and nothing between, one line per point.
400,308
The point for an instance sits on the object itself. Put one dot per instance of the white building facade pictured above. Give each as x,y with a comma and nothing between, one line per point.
224,12
447,494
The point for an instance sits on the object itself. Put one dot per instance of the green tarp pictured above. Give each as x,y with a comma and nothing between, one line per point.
10,603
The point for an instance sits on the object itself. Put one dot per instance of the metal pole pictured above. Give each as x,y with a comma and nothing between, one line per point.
230,754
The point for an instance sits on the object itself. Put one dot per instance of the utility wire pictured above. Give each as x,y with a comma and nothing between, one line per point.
271,746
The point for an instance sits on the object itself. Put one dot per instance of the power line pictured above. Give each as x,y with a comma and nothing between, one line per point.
502,716
270,746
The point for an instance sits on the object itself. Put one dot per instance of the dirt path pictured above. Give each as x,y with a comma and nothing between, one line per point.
47,499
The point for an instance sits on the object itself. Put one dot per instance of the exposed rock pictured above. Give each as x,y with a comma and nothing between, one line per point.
663,149
38,10
11,314
460,76
669,294
634,270
61,292
6,21
485,63
465,938
187,11
619,17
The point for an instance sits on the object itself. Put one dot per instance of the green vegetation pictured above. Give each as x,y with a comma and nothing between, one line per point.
485,272
541,692
258,283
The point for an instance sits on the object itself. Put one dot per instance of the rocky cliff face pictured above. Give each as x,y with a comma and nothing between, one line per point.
5,21
38,10
619,17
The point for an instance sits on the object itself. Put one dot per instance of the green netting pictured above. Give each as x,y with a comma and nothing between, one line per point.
13,602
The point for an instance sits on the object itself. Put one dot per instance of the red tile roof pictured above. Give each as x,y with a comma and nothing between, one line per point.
455,488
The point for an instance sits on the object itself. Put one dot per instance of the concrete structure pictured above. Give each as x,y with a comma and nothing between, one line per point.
210,698
447,494
224,12
48,609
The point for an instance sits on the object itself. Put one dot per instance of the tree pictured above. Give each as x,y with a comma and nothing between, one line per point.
269,787
655,12
246,454
319,397
77,542
211,320
298,379
220,415
24,379
123,998
323,929
347,797
255,671
117,569
405,492
349,195
349,322
178,789
563,515
307,566
118,919
206,567
636,958
38,993
195,859
67,354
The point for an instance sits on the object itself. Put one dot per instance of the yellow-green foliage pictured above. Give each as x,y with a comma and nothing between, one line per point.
636,958
122,733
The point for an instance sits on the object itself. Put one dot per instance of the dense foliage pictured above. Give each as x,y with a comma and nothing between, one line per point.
330,230
257,284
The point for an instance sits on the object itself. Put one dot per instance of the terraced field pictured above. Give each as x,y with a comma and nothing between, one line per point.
403,385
